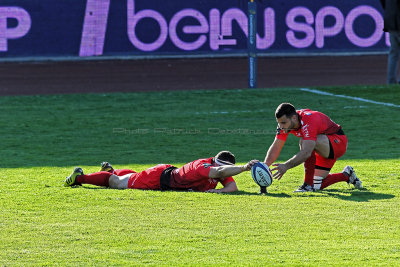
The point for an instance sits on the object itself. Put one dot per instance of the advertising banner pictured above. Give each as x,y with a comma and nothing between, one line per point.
114,28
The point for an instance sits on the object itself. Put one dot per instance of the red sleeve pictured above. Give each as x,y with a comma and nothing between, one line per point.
227,181
281,135
203,169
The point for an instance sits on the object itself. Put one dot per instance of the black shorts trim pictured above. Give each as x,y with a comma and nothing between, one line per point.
165,178
340,132
331,153
322,168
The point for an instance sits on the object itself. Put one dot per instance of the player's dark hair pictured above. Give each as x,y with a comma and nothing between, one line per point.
285,109
226,156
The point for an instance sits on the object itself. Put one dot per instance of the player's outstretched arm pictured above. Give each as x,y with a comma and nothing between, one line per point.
228,188
274,151
230,170
305,152
281,168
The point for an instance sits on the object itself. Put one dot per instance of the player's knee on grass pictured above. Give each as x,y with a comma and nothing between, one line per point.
117,182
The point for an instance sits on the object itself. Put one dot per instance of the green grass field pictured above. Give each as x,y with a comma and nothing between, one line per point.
44,223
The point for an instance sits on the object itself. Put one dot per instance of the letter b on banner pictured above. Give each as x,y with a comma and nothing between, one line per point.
23,25
134,18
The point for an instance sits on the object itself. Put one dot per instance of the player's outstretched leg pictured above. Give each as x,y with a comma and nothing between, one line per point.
71,180
353,179
347,175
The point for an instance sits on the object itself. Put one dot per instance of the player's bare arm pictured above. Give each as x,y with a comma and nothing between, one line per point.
305,152
228,188
230,170
274,151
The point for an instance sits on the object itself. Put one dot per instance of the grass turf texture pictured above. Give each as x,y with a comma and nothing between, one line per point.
43,223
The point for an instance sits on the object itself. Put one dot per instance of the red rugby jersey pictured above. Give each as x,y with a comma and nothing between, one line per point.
194,175
313,123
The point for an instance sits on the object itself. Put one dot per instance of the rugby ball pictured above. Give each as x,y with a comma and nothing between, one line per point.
261,174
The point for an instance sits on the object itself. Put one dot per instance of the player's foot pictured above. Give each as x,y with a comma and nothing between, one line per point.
348,170
106,167
71,180
304,188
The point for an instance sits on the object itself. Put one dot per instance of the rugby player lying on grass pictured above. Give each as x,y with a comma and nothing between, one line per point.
200,175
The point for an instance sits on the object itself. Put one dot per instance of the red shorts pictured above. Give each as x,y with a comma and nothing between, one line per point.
339,147
148,179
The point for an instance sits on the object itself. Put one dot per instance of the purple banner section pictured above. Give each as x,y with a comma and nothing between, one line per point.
95,28
23,20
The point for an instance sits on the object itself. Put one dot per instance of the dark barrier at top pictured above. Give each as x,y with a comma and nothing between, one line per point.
48,28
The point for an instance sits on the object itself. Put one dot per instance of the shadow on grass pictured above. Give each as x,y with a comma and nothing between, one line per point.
238,193
96,188
363,195
280,195
356,195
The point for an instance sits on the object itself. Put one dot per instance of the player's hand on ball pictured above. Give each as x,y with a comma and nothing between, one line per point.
250,164
279,170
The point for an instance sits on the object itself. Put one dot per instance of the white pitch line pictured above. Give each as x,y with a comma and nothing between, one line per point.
349,97
229,112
